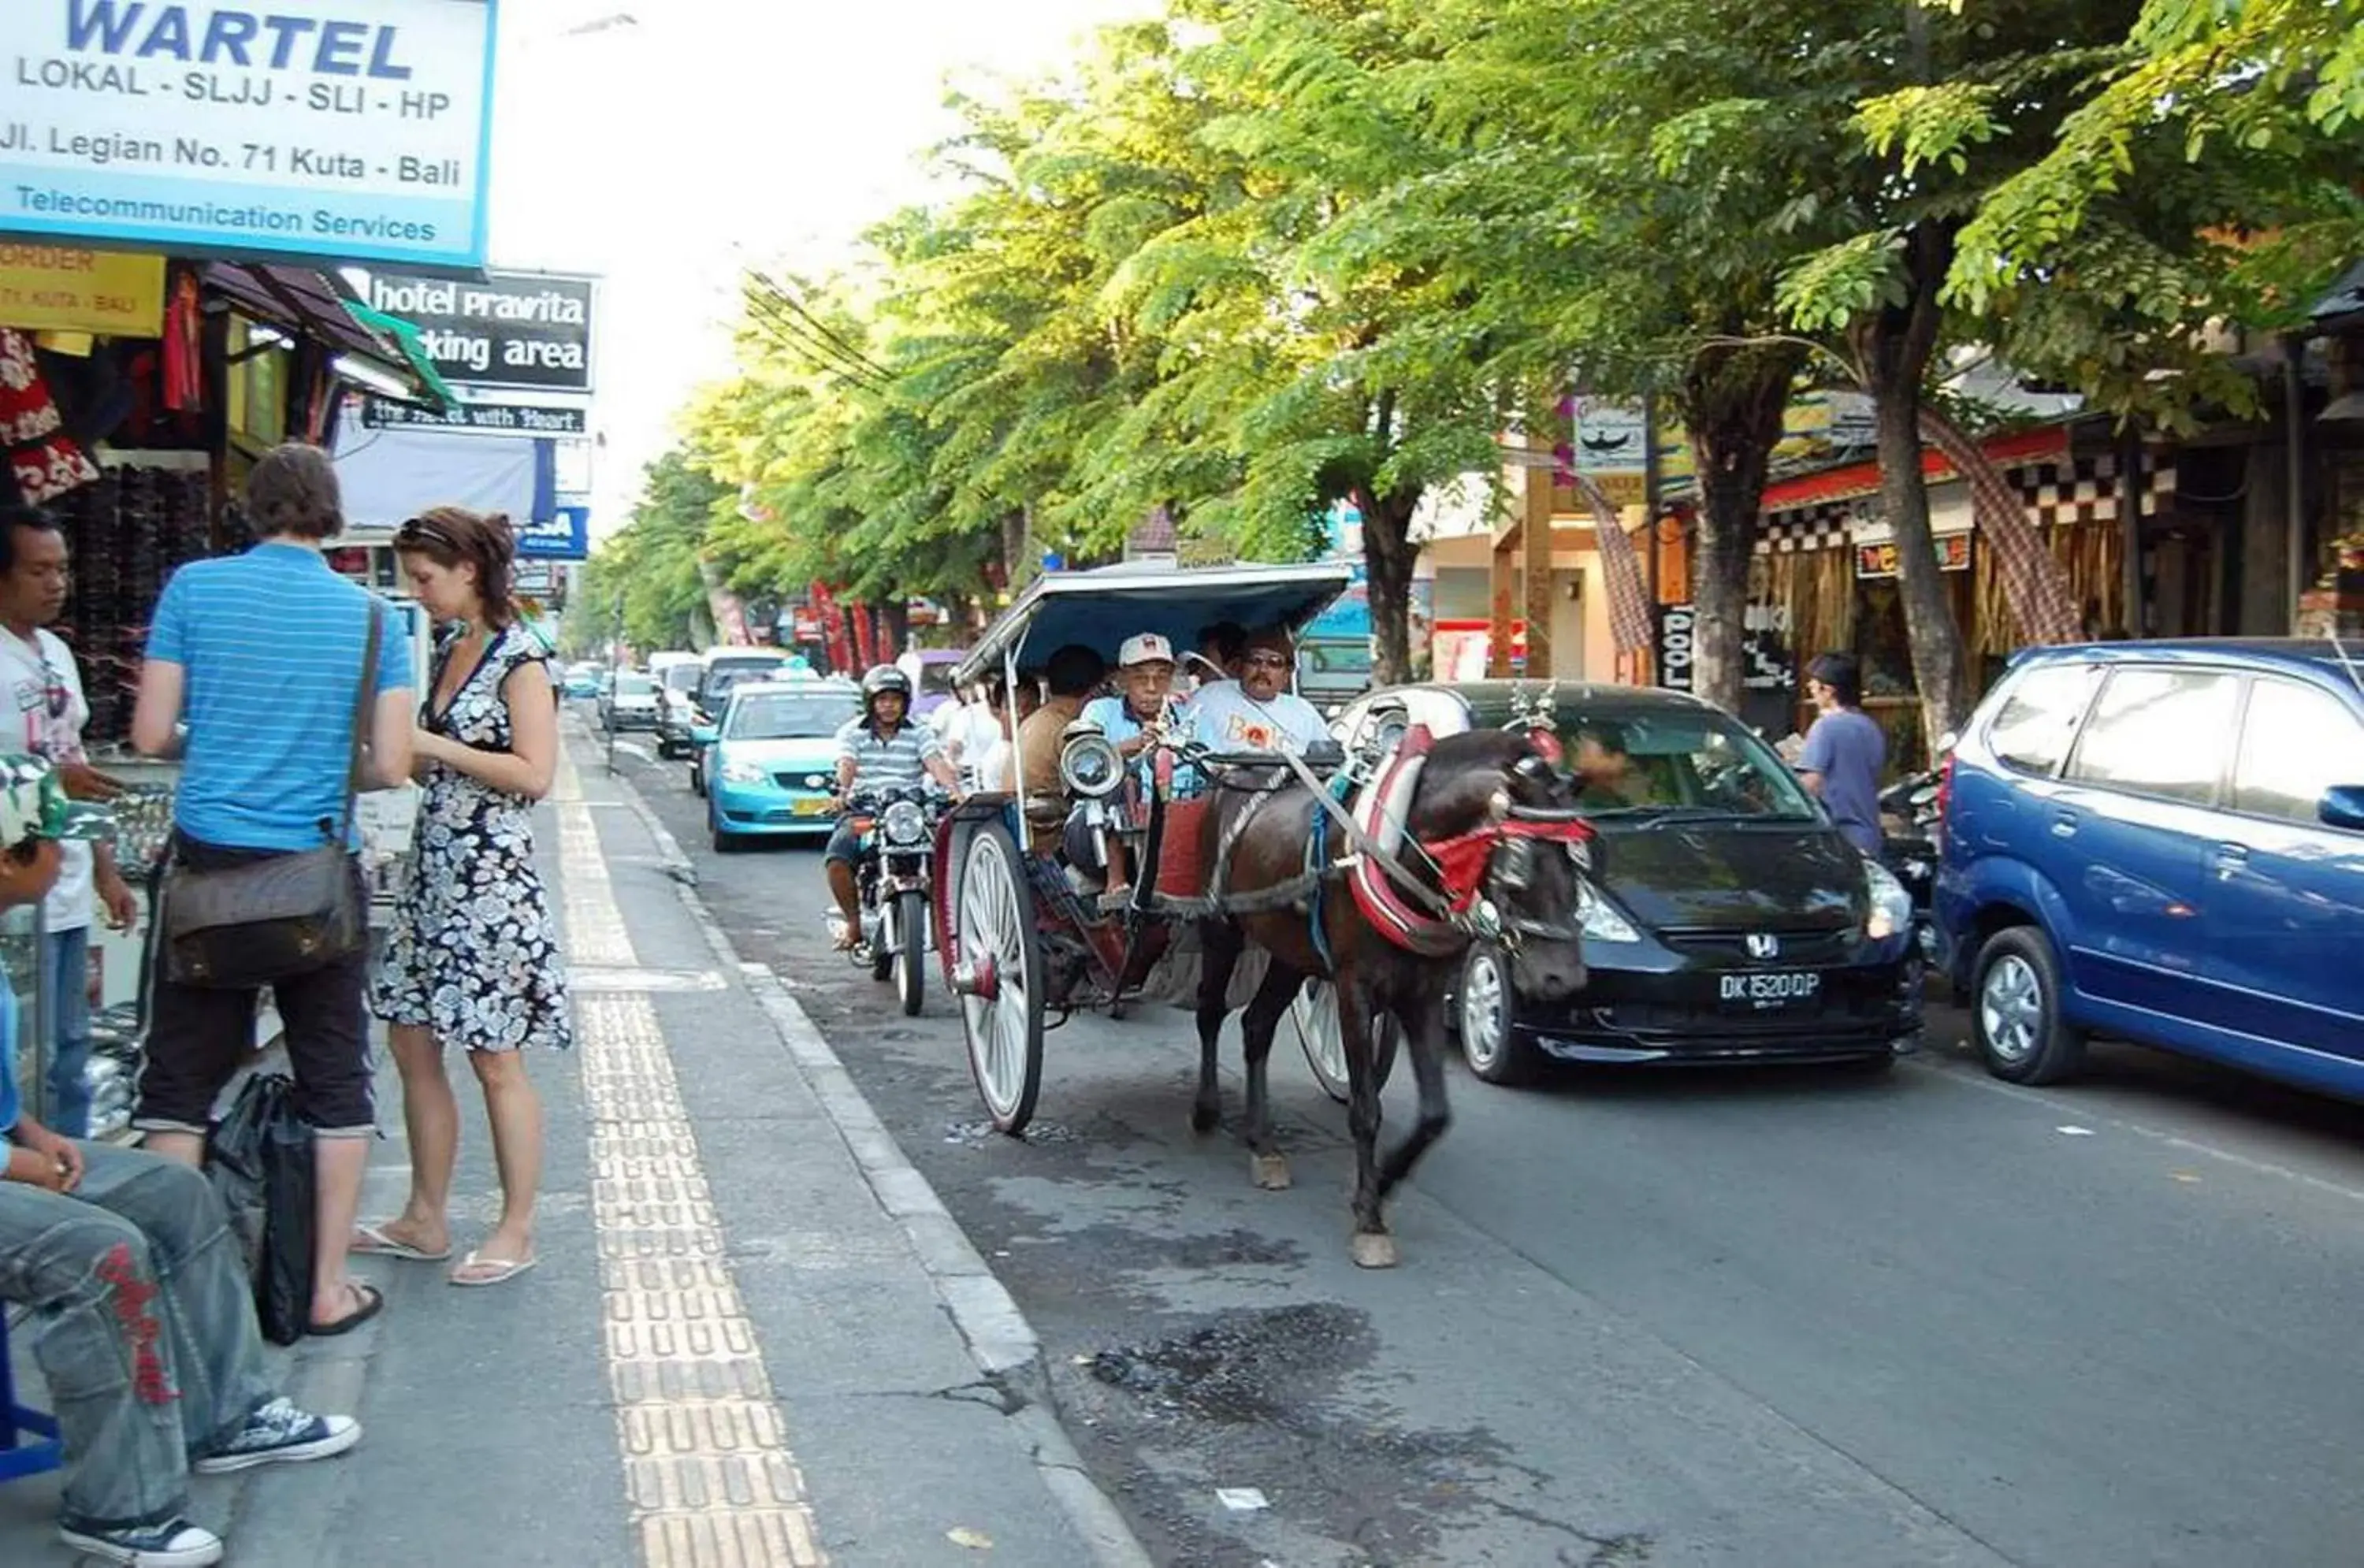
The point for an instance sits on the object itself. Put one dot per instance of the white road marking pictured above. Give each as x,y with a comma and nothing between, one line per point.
2160,1135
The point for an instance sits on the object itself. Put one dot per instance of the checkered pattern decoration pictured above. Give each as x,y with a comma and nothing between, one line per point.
2087,490
1821,527
1630,623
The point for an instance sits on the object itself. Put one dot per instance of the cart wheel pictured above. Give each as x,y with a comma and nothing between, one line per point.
1315,1014
998,976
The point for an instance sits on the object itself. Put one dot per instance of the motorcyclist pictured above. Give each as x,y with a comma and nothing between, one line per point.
876,752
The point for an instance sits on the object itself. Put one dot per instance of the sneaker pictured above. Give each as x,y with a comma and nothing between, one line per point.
279,1433
175,1543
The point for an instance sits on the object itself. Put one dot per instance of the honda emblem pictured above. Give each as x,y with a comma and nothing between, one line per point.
1764,944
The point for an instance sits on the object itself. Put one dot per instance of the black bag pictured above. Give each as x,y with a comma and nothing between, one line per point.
240,927
260,1158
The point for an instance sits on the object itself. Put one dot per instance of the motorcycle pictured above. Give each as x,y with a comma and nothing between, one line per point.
899,836
1911,853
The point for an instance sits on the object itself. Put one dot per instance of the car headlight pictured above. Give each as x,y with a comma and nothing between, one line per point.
1892,907
742,774
904,823
1091,766
1599,918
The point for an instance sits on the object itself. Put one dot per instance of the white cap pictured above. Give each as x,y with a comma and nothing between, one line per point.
1147,649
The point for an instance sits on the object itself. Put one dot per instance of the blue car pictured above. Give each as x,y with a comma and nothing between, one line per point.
2163,842
771,767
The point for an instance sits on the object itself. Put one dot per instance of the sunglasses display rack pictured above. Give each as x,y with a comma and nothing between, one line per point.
127,531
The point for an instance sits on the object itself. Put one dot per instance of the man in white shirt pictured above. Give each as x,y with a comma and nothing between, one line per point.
42,712
1258,712
966,731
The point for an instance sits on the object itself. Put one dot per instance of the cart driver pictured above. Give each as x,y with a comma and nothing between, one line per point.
1144,709
1258,712
878,752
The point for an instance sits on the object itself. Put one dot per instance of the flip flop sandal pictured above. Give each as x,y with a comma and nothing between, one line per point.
503,1270
377,1242
371,1303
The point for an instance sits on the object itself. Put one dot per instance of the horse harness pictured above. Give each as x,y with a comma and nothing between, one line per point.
1433,915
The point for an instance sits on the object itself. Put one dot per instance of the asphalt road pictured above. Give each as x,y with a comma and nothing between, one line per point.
1755,1319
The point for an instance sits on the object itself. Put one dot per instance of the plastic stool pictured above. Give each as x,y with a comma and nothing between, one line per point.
28,1439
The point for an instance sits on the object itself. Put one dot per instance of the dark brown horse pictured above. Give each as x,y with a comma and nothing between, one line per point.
1490,784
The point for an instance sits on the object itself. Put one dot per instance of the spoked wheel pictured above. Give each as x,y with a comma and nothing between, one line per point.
998,976
1315,1014
911,938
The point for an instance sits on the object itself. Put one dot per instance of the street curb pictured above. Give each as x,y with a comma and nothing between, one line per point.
1003,1343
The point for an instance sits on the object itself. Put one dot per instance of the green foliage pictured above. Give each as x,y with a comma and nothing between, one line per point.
1259,256
643,581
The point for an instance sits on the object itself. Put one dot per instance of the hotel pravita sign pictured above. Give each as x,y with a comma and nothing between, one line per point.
329,129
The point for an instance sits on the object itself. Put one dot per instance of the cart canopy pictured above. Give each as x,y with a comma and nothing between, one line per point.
1101,609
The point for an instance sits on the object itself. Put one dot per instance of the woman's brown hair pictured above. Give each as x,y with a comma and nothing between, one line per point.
449,536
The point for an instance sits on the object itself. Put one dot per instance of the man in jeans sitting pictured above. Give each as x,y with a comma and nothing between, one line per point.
147,1337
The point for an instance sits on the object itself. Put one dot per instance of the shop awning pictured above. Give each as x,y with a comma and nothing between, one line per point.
298,299
2018,450
414,352
2343,306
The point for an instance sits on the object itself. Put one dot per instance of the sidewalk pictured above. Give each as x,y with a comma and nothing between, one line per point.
753,1337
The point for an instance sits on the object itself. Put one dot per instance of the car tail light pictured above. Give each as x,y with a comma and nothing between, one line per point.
1945,794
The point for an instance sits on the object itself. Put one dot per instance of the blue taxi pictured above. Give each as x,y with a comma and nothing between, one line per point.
771,768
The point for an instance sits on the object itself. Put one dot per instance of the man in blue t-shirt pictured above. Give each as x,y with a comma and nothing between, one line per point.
1845,749
135,1275
262,653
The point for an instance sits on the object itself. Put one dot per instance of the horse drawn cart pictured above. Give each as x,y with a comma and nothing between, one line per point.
1361,880
1023,945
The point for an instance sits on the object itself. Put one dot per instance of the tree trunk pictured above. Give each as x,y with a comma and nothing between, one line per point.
1894,345
1388,551
1733,403
1016,567
894,628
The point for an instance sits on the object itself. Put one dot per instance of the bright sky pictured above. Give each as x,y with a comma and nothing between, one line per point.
663,152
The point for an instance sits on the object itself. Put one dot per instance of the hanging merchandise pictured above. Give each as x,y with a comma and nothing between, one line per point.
184,379
44,462
126,533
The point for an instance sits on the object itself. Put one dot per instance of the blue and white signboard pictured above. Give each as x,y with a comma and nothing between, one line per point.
566,537
329,129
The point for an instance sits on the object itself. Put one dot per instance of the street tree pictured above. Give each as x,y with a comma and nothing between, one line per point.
1631,182
643,579
1953,106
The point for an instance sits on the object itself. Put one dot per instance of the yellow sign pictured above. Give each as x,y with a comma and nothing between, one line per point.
65,288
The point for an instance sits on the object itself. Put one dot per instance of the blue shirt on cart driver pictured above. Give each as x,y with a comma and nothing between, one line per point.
271,646
1115,721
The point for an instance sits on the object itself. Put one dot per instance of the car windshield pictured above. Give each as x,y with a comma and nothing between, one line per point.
937,677
721,678
682,678
634,686
1681,767
792,715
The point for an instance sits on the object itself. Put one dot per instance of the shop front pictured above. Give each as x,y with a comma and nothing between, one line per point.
1826,570
136,392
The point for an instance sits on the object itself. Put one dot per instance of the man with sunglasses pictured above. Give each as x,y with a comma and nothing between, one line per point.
42,712
1258,712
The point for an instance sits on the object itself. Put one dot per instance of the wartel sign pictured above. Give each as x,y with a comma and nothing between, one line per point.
332,129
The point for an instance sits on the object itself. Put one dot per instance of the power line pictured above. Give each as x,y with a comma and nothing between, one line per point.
780,296
801,341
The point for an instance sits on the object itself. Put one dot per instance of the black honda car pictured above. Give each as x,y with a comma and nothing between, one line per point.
1725,919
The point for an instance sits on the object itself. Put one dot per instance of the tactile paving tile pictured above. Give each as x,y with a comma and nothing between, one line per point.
708,1473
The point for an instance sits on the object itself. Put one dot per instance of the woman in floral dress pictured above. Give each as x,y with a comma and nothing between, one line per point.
473,960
